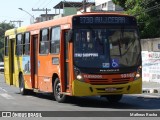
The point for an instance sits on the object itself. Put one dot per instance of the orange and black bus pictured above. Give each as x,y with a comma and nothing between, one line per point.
92,54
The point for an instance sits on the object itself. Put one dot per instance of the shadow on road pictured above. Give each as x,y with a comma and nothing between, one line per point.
127,102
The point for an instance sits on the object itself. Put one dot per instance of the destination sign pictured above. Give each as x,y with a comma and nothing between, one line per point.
102,20
96,20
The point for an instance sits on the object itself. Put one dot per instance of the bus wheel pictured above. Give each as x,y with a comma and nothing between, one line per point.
57,92
22,89
113,98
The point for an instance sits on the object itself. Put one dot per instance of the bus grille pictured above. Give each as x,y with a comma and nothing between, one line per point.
109,81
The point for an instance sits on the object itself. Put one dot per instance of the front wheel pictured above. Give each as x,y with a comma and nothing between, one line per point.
113,98
57,92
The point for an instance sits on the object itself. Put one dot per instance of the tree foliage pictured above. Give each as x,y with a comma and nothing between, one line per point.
3,27
147,13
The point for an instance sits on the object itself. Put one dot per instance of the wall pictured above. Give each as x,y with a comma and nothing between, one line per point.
99,2
151,60
107,5
152,44
69,11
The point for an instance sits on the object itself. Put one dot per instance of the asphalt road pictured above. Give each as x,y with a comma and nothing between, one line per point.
12,100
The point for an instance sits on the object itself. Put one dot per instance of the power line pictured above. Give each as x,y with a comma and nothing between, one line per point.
42,10
36,3
44,6
48,3
17,21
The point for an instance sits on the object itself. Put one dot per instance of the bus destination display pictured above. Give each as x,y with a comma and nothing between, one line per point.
84,20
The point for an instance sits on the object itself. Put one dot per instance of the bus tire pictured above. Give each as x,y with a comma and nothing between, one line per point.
61,98
113,98
22,89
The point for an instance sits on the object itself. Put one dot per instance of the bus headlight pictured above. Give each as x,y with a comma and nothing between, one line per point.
78,74
79,77
139,73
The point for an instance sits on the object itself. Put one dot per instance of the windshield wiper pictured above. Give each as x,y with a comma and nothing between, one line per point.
120,40
119,44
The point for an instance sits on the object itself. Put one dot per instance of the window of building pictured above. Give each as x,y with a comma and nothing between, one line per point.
44,41
19,44
26,44
55,40
6,45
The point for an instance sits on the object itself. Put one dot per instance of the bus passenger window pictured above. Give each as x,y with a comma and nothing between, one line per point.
26,44
55,40
44,41
6,45
19,44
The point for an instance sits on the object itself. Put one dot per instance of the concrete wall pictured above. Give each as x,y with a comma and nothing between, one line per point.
69,11
152,44
99,2
151,60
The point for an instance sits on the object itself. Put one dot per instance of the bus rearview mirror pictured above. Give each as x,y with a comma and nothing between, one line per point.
69,36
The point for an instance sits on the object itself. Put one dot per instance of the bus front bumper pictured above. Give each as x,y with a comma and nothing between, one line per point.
86,89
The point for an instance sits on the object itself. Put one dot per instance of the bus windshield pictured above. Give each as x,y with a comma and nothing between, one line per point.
106,48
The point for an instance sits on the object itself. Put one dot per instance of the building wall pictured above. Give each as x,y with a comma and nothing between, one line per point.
88,9
107,5
152,44
69,11
98,2
151,60
58,16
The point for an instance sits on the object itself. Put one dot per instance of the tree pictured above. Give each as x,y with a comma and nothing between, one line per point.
3,27
147,13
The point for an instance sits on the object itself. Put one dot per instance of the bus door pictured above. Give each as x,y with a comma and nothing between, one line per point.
34,64
66,60
11,61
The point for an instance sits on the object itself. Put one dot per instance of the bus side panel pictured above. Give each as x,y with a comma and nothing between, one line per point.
45,83
15,75
17,69
45,71
28,83
6,71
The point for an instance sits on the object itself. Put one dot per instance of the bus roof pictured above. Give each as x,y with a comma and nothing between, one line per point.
10,32
21,29
67,20
56,22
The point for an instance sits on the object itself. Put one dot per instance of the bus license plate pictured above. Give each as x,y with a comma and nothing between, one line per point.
110,89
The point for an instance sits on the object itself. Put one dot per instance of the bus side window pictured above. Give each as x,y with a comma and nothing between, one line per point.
19,44
6,45
55,40
26,44
44,41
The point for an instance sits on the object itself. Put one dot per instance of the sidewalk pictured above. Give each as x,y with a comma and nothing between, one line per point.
150,87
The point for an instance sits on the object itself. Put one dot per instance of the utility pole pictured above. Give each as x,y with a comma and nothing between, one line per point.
84,5
42,10
17,21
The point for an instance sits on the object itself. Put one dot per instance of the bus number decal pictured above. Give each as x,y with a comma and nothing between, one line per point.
131,75
86,20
